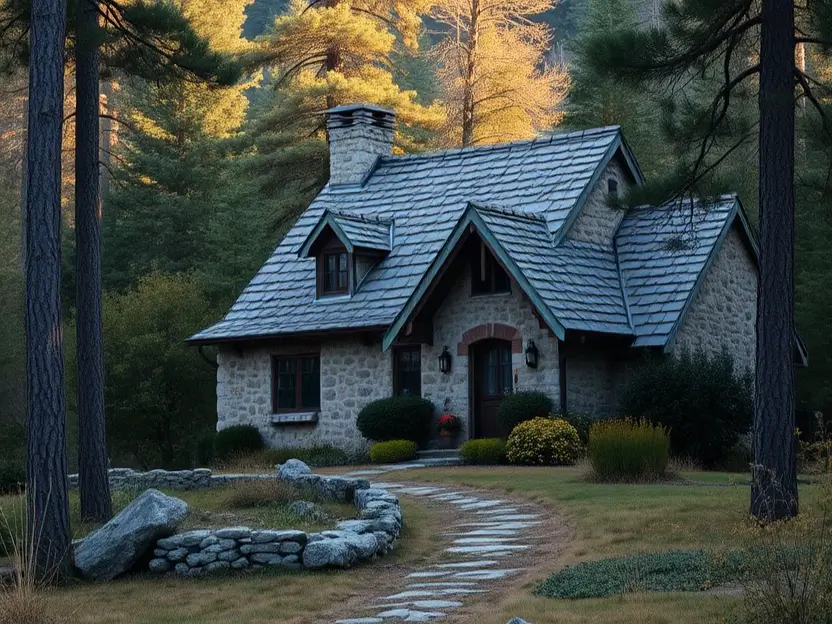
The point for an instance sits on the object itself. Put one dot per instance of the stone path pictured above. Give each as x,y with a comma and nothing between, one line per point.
487,531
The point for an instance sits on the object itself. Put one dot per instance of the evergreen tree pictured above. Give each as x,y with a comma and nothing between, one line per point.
497,86
46,492
742,46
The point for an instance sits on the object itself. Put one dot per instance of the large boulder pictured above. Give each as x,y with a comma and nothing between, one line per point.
292,469
117,546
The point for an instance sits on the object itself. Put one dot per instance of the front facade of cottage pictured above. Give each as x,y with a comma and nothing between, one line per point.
465,275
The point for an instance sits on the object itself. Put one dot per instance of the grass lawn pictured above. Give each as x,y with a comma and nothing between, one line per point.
622,519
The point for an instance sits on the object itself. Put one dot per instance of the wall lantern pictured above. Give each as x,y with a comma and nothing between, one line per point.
531,354
445,360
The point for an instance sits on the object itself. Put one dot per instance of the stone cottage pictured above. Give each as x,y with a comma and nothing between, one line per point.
466,274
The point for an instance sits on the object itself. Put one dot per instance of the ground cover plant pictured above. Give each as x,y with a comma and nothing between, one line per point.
673,571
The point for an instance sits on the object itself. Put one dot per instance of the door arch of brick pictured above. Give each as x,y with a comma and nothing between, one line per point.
490,330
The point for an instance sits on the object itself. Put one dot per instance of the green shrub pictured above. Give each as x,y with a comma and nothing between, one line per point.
626,450
393,451
543,441
488,451
396,418
704,402
12,476
582,421
674,571
522,406
316,456
237,440
205,448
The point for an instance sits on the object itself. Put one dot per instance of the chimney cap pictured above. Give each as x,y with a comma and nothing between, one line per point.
349,108
359,114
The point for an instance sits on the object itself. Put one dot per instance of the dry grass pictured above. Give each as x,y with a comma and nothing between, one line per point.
22,600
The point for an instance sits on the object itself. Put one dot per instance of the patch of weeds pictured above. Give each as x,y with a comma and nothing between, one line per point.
674,571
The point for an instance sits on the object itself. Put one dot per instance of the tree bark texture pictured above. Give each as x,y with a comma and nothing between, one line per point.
48,505
774,486
93,481
470,75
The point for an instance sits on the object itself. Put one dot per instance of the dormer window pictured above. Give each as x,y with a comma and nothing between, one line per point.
334,272
612,187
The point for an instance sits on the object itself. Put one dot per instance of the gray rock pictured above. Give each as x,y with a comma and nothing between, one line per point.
517,620
208,541
157,552
385,541
182,568
308,510
178,554
189,538
266,558
239,532
340,489
356,526
217,566
290,548
220,546
240,564
329,553
201,558
118,545
269,547
291,560
260,537
194,571
246,548
292,468
158,566
228,555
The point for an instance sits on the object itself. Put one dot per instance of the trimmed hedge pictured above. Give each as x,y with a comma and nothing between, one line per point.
626,450
487,451
393,451
704,402
237,440
522,406
543,441
396,418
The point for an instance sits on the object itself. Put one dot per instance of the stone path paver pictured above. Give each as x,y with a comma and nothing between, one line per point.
486,530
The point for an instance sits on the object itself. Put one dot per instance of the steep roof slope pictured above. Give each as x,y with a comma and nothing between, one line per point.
425,197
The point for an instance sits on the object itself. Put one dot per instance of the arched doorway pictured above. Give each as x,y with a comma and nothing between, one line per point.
491,380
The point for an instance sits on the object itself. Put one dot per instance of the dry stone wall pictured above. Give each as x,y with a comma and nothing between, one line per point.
129,479
373,534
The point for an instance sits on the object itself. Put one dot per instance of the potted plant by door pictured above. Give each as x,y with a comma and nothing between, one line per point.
448,427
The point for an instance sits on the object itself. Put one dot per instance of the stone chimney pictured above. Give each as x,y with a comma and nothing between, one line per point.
358,135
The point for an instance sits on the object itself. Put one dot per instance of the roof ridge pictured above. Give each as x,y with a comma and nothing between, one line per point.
509,212
724,197
358,217
508,145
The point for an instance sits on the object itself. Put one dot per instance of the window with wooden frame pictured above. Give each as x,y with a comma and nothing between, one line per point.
333,271
487,276
407,371
296,383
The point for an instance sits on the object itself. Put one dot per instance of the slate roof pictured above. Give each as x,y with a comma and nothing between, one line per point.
355,230
521,198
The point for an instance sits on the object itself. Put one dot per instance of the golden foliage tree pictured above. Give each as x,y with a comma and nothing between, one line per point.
498,85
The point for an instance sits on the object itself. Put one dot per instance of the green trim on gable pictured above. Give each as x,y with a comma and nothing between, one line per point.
618,145
325,220
469,218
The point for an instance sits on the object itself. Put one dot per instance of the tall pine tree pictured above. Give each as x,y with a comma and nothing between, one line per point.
742,46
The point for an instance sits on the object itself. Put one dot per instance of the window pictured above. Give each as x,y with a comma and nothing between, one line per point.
296,383
335,273
487,276
407,371
612,187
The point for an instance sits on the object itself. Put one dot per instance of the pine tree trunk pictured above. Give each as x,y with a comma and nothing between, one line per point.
774,486
48,505
93,482
470,75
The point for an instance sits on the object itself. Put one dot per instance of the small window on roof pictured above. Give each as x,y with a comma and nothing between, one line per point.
333,271
612,187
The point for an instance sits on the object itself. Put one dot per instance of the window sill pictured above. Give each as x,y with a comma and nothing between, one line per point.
295,418
333,298
504,293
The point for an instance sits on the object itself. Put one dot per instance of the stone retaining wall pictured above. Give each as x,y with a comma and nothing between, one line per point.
128,479
239,548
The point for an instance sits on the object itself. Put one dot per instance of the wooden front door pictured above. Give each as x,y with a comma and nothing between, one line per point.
491,381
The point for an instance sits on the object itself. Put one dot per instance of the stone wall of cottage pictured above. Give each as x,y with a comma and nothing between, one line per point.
460,313
593,379
724,312
597,222
353,373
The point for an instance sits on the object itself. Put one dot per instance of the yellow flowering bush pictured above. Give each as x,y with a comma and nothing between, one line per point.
543,442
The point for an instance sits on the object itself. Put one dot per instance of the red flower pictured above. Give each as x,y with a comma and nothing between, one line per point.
448,423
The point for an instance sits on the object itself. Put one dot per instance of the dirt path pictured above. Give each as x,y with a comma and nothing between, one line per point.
488,544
